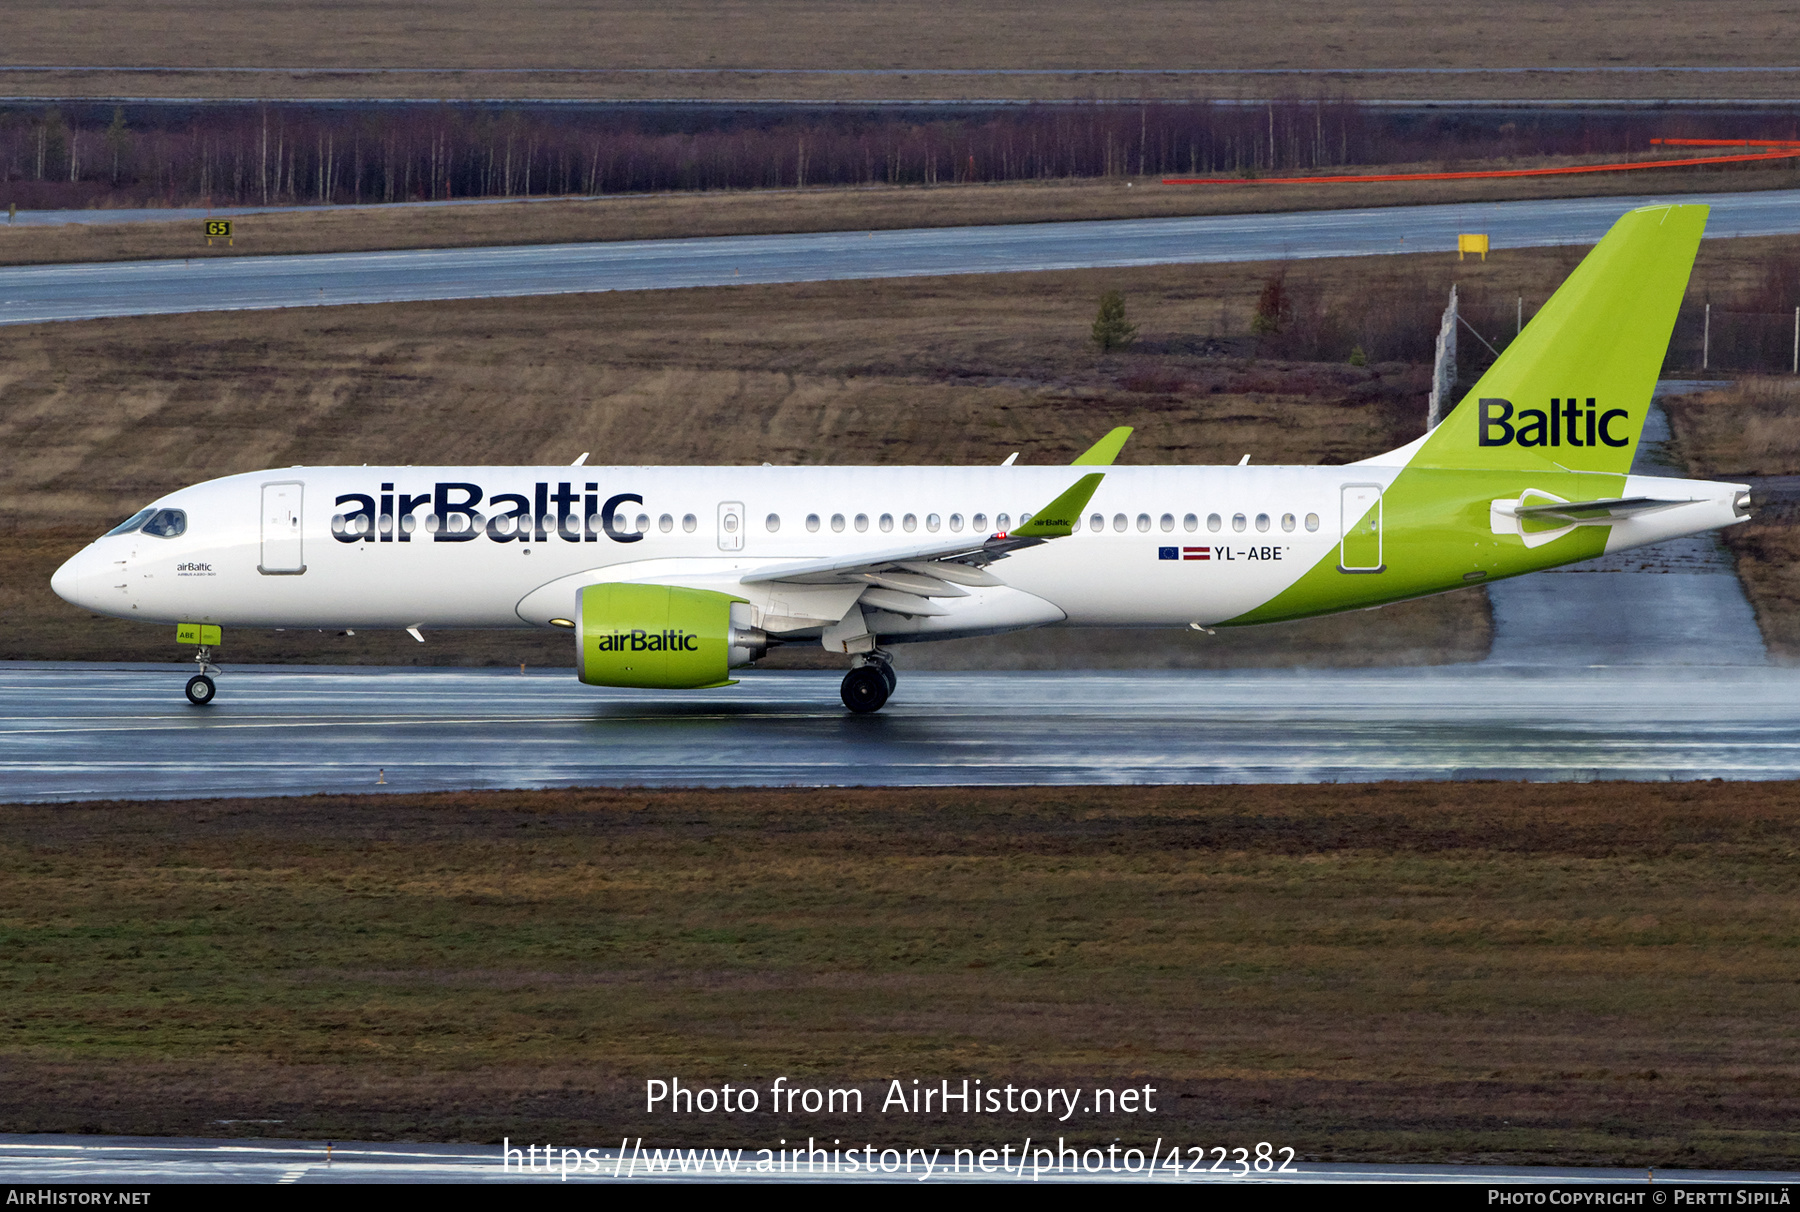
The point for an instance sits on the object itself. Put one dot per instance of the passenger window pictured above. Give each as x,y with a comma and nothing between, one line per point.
1024,518
978,523
1237,522
643,526
689,522
132,523
812,523
1312,521
1287,522
1190,523
167,524
1120,522
1262,522
1213,523
837,523
932,522
862,522
621,523
956,522
909,523
886,523
1168,522
665,523
1143,523
1097,523
1004,522
773,522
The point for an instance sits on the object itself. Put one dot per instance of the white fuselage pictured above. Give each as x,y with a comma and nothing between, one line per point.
365,547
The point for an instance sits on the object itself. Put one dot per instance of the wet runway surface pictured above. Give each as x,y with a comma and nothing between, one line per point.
127,1159
81,732
31,294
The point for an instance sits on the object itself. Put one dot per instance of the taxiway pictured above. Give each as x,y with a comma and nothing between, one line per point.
33,294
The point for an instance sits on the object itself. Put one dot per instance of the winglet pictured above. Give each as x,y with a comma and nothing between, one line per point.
1058,518
1103,452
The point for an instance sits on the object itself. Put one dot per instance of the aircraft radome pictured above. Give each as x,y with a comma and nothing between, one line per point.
670,577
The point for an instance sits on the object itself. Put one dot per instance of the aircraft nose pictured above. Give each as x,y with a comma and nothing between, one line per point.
66,581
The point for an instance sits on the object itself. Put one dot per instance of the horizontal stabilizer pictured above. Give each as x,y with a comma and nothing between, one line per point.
1595,511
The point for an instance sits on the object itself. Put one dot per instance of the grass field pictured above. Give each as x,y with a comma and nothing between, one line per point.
1753,429
741,49
1593,974
667,216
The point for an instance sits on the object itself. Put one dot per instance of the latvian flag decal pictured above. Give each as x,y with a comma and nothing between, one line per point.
1184,553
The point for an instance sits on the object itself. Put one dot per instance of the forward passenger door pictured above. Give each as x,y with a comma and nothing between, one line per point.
283,552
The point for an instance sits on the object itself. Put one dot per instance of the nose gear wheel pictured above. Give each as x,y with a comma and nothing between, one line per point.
201,689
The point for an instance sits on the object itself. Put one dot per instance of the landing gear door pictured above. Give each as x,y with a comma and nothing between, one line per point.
282,550
1360,548
731,526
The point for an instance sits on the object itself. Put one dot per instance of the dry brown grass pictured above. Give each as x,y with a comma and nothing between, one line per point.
97,416
1767,549
1594,974
1070,36
1751,430
667,216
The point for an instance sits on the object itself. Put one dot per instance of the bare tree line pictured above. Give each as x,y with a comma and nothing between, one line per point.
242,154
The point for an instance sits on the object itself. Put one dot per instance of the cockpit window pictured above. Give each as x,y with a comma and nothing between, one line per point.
130,524
167,523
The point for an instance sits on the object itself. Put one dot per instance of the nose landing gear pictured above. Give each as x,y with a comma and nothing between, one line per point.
868,684
201,688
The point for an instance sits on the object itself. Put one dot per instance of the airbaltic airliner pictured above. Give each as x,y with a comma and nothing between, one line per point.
670,577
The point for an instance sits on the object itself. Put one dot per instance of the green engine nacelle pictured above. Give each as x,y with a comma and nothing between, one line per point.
661,637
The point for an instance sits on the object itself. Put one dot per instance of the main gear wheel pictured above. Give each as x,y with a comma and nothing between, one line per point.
867,687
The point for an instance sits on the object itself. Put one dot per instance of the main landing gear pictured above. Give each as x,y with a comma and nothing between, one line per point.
200,687
869,683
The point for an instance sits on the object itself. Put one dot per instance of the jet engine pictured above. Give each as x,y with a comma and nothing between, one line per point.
662,637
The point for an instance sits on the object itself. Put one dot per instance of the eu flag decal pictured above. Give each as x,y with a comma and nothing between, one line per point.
1168,553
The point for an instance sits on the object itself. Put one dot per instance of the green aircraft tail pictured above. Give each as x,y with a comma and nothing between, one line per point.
1573,389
